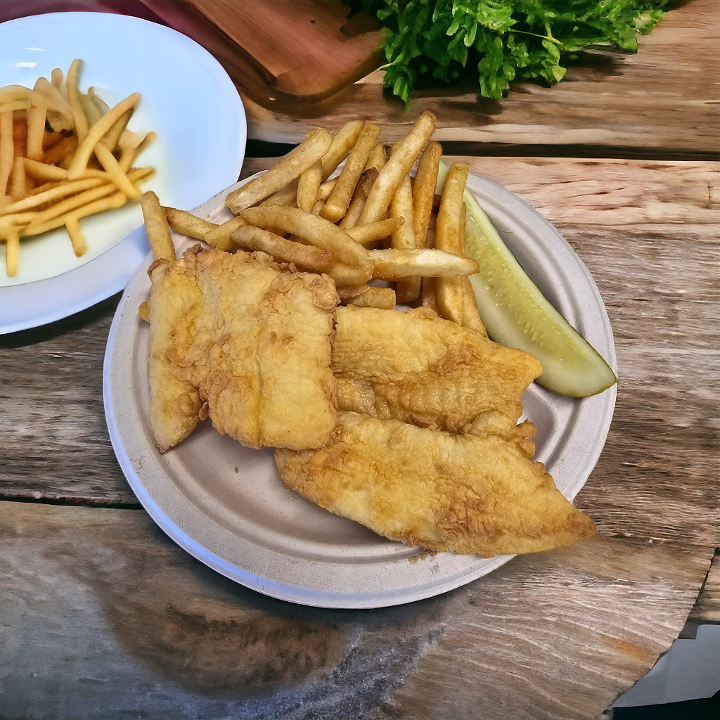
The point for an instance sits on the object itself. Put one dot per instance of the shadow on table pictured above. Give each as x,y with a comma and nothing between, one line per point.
705,708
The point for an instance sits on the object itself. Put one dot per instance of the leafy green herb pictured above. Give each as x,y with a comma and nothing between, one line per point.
505,39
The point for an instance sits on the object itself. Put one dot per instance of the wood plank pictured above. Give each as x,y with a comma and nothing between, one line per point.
663,100
102,616
630,221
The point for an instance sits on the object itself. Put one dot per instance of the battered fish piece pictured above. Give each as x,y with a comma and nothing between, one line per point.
245,340
416,367
461,493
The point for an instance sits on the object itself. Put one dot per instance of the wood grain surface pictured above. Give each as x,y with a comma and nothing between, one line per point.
658,102
100,611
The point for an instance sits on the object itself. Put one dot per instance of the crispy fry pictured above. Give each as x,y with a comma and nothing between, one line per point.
41,171
51,195
368,234
14,93
306,257
342,143
144,311
156,225
352,291
376,297
35,131
362,190
17,180
113,169
403,237
428,296
325,189
314,229
111,202
424,191
57,79
289,168
308,186
396,168
284,196
377,158
219,236
112,136
79,119
7,150
339,200
86,147
399,264
45,93
187,224
12,251
348,275
77,237
129,154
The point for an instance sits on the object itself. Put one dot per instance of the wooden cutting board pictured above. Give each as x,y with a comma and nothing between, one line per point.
292,50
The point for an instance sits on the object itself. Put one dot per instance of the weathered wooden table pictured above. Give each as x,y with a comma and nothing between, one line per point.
102,616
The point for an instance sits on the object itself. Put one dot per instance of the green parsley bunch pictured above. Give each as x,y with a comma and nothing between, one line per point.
505,39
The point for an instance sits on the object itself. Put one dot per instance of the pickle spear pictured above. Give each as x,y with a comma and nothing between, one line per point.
518,315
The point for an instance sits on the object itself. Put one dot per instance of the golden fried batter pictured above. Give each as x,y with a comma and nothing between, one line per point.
416,367
237,337
463,493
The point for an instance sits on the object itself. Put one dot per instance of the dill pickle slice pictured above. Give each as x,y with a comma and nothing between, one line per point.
517,314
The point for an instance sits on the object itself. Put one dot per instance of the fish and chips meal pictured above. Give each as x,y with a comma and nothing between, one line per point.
64,155
282,328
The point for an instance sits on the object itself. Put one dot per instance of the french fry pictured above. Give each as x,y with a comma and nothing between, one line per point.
127,158
368,234
17,180
112,136
400,264
339,200
42,171
8,222
342,143
219,236
362,190
14,93
306,257
77,237
86,147
111,202
403,237
325,189
396,168
348,275
51,195
352,291
376,297
284,196
35,131
113,169
156,225
290,167
378,158
428,296
455,296
424,191
12,252
7,150
58,80
45,93
79,119
316,230
187,224
308,186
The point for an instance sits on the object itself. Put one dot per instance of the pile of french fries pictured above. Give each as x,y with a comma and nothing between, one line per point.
374,221
64,155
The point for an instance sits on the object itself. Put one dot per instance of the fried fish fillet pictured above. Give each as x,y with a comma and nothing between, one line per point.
462,493
416,367
240,338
